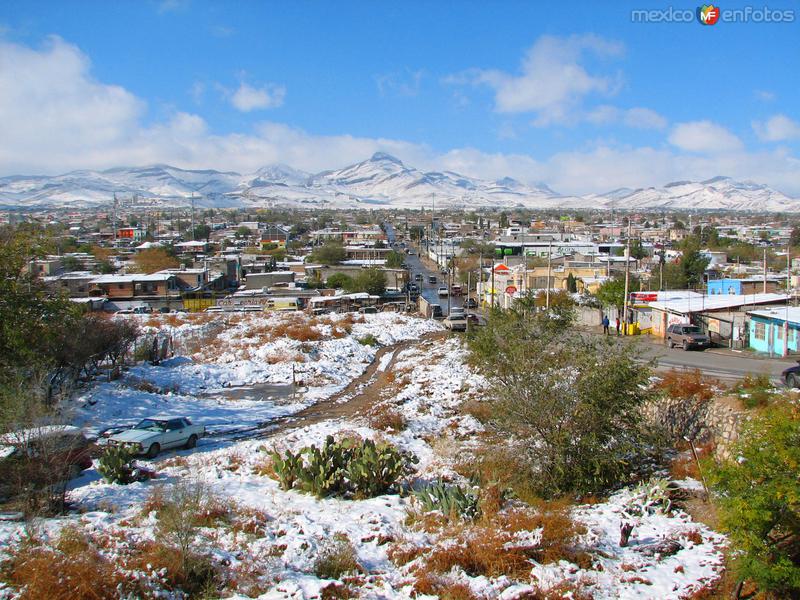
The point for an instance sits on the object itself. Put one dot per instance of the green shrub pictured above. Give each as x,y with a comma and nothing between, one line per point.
350,467
116,464
755,390
758,491
368,340
453,501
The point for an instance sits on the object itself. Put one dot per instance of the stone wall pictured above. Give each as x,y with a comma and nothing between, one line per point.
717,420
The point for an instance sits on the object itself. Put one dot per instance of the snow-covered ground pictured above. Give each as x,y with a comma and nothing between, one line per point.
427,383
238,370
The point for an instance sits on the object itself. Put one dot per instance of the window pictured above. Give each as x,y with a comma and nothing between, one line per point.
779,335
760,331
175,424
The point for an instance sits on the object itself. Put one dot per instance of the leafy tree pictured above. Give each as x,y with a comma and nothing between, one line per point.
331,253
153,260
243,232
572,284
612,291
71,263
503,219
794,238
758,492
394,260
372,281
637,250
202,232
340,281
693,264
572,402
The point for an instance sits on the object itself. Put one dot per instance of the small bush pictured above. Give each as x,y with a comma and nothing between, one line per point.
336,559
368,340
387,418
684,385
755,390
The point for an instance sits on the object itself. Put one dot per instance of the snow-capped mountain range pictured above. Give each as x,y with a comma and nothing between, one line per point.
381,181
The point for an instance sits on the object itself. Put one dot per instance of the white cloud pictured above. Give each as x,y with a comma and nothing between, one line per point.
764,95
407,83
55,117
638,118
248,98
704,137
777,128
552,80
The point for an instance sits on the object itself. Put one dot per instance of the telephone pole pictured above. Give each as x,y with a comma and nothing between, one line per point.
549,264
627,278
192,216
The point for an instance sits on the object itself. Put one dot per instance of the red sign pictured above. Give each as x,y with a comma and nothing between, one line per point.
511,290
642,297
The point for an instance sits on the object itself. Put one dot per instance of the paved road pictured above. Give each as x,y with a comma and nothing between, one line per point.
429,291
720,363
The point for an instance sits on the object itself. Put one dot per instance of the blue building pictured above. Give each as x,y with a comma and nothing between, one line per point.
753,285
768,328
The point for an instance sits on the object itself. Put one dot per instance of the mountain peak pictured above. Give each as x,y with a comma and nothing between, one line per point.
383,157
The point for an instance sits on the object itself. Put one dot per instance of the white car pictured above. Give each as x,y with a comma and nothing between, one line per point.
151,436
455,323
443,292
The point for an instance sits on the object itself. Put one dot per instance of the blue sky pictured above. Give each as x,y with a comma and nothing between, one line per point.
575,95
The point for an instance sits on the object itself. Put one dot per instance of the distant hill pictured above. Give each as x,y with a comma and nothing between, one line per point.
381,181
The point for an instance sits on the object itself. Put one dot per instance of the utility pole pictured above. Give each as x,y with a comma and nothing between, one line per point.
192,216
788,288
627,278
114,219
469,284
549,265
765,270
492,281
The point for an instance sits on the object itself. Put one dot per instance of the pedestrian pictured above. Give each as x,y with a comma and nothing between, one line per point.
617,324
606,323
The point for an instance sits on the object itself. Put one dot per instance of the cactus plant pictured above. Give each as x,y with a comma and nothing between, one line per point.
287,468
116,464
453,501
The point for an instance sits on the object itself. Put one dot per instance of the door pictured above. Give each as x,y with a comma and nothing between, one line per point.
175,435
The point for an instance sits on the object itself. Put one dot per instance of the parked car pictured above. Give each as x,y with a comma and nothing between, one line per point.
151,436
417,276
455,290
368,310
471,303
475,319
436,311
443,292
432,279
457,311
455,322
791,376
687,337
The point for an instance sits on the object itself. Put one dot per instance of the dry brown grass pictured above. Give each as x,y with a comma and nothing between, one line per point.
493,546
684,465
387,418
73,569
691,385
495,462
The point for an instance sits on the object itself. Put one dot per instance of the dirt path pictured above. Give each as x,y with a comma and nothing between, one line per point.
356,398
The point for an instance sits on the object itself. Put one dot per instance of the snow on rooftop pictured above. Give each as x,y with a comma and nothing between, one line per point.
705,303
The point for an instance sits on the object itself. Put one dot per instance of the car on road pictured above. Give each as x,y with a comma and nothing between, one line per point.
791,376
455,322
457,311
687,337
436,311
432,279
150,436
417,276
443,292
471,303
475,319
455,290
